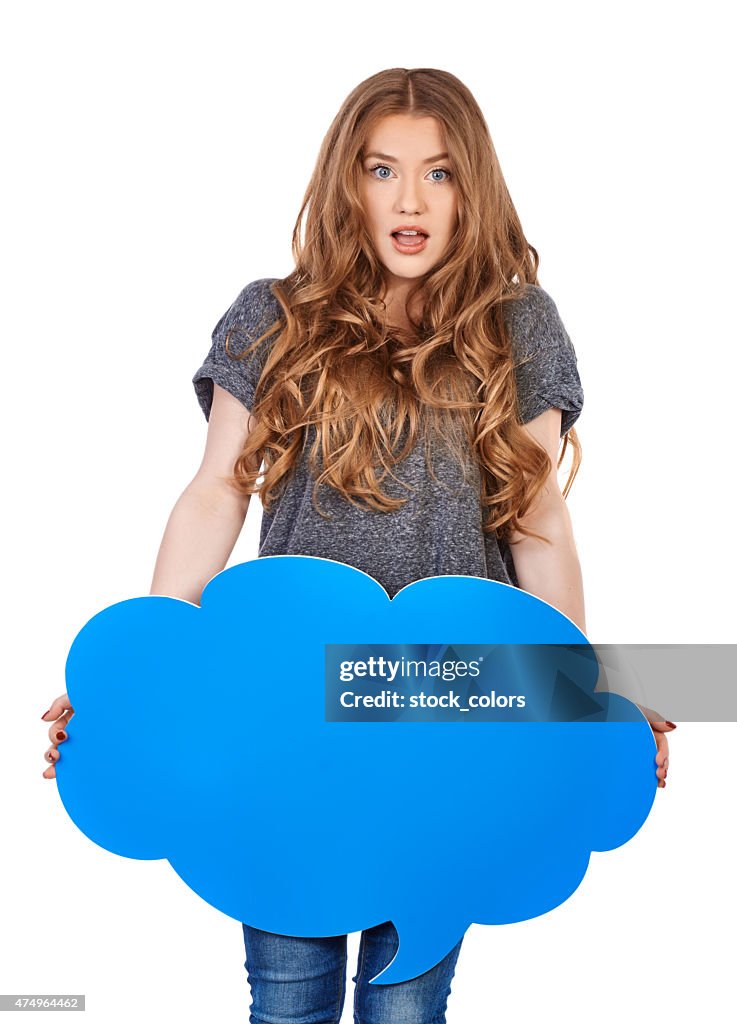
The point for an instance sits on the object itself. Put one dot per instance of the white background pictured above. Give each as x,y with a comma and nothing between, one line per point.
156,156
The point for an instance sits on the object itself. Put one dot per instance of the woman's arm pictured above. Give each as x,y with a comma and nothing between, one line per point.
550,571
208,517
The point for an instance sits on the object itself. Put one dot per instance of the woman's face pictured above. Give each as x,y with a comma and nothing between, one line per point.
407,181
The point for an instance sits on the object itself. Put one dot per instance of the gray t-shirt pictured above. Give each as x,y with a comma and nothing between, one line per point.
437,531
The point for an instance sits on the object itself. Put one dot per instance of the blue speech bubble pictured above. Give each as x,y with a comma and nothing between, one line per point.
298,816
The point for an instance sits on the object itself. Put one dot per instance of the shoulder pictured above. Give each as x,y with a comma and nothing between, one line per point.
536,302
534,323
545,364
534,308
255,306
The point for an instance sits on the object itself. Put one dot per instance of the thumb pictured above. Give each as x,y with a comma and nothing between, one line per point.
663,726
58,706
656,720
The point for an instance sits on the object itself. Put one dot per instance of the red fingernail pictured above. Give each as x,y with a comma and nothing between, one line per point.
61,735
672,725
45,713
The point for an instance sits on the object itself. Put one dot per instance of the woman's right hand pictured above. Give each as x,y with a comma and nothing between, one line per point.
61,710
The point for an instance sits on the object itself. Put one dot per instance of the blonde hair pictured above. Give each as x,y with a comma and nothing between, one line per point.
338,368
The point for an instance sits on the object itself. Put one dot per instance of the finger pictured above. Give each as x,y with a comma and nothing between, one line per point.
58,732
662,725
52,755
60,704
652,716
655,718
661,742
50,772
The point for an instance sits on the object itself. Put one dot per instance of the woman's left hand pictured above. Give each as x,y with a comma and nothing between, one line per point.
659,727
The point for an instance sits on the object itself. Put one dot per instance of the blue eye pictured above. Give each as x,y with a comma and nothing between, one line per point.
442,170
378,167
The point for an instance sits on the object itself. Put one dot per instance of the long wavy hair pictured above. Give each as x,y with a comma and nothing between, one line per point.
366,391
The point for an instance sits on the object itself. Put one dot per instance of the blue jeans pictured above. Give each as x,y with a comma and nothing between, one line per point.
302,980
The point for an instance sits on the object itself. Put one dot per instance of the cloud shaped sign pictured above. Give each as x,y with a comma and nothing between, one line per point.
313,758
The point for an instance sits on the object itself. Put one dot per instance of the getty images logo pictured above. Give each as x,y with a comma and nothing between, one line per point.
407,668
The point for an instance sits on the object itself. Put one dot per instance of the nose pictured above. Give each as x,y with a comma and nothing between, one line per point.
408,198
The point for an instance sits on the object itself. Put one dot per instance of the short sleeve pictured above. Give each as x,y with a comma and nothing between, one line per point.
250,315
546,367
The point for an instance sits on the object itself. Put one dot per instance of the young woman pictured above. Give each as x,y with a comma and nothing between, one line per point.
398,403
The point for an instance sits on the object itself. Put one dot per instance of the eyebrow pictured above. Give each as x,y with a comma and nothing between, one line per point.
394,160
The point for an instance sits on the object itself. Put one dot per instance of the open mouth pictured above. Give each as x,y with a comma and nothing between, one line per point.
409,242
408,236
